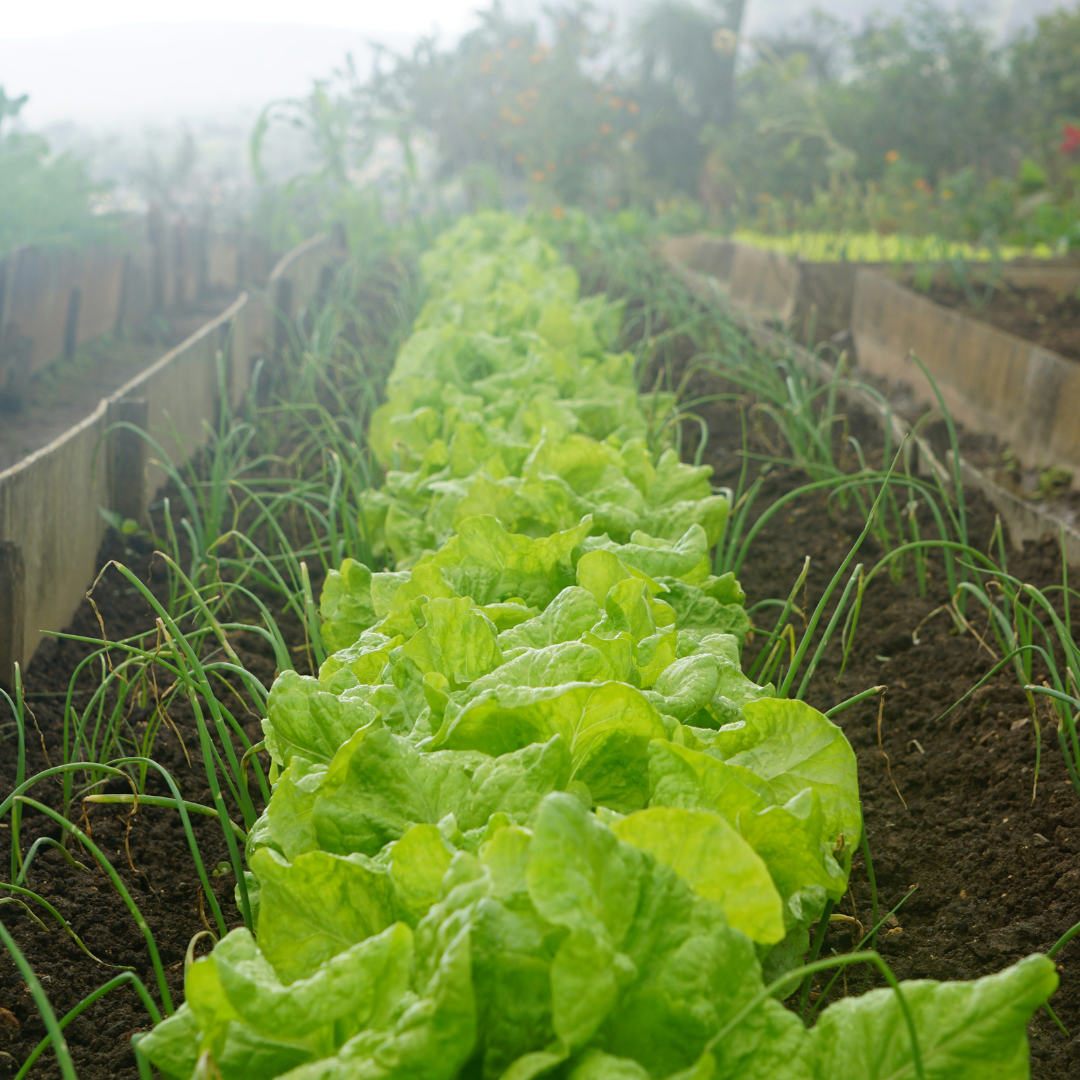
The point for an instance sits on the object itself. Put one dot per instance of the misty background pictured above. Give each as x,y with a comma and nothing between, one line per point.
173,100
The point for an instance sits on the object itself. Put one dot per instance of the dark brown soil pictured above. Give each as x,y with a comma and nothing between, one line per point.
160,875
1046,317
998,875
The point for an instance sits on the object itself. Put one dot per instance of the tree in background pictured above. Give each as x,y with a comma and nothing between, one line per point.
44,198
516,111
685,71
931,86
916,121
1046,73
516,100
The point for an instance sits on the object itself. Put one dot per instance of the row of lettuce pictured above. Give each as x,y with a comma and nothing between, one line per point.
531,819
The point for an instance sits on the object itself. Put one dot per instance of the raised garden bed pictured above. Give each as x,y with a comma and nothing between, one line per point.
1044,315
68,391
990,890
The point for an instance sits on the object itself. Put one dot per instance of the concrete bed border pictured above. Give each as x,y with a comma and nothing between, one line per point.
761,288
50,525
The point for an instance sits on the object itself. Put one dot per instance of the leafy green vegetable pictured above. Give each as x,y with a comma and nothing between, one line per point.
794,747
967,1031
346,604
303,718
717,863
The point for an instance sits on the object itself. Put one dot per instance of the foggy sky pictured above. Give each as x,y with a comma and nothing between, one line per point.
229,57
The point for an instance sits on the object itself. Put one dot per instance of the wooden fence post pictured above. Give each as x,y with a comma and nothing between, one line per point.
71,325
12,611
127,458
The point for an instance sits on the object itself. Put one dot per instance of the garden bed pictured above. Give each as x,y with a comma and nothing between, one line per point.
994,872
997,874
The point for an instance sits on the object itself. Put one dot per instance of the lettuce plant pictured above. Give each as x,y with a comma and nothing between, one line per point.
531,818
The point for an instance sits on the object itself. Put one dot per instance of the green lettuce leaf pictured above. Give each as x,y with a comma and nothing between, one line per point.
579,875
566,618
346,605
418,863
696,610
794,747
303,718
289,812
967,1030
608,727
686,558
317,906
172,1046
715,861
357,989
489,564
456,639
686,687
380,785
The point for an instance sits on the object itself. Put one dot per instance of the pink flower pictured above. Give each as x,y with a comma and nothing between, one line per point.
1071,141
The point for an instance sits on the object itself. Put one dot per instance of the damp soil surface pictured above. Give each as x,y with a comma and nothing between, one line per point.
1047,317
989,875
148,849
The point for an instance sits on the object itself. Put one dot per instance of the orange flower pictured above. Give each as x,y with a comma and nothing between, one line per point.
892,157
947,194
519,158
514,43
538,176
558,213
550,166
725,41
921,185
605,128
615,102
633,108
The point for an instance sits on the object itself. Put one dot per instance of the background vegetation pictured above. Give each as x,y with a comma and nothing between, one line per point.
44,198
917,122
